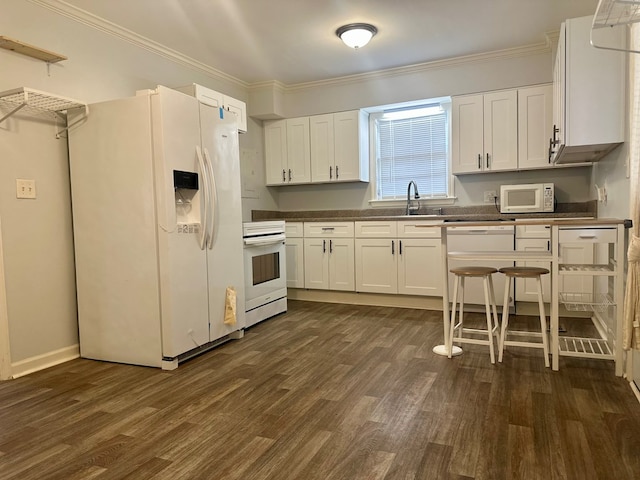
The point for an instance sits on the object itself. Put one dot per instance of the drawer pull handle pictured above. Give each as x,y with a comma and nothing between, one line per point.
325,229
587,235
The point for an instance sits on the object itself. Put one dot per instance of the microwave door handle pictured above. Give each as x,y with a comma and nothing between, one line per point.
261,241
205,201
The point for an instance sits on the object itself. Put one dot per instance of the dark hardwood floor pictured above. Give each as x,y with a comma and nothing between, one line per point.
325,392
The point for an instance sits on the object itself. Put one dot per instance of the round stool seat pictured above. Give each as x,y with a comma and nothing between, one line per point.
473,271
523,272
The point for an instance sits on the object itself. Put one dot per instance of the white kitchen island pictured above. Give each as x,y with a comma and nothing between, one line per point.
607,238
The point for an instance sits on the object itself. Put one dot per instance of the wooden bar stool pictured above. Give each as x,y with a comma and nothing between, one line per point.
489,301
524,272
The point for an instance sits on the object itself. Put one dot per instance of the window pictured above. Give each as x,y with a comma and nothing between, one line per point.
412,143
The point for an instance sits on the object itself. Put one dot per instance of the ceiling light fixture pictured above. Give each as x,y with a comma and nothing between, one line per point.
356,35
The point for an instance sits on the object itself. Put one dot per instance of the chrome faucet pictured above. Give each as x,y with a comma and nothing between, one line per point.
416,196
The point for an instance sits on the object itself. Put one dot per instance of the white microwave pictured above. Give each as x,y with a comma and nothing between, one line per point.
527,198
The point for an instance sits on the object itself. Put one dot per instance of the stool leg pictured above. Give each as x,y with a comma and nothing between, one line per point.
505,317
485,282
461,305
452,326
459,282
495,309
543,323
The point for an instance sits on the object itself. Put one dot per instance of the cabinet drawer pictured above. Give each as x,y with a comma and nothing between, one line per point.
328,229
533,231
418,229
373,229
587,235
294,229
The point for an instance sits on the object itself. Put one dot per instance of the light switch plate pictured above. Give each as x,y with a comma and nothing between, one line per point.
25,188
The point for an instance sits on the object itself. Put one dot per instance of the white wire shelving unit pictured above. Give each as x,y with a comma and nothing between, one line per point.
38,104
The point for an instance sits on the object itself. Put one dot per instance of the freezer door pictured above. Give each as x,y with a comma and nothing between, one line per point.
225,250
183,268
114,222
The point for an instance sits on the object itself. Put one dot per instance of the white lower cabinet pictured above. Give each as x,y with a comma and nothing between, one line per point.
576,254
329,256
419,267
376,265
527,288
294,250
408,265
328,264
537,238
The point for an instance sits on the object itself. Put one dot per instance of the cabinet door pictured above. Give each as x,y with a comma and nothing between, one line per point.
322,148
501,130
239,109
376,265
350,159
275,147
294,249
298,151
316,263
467,134
526,288
419,266
535,122
558,93
576,254
341,264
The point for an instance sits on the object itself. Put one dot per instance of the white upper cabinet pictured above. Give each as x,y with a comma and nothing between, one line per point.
287,151
275,145
501,130
589,93
339,147
467,134
318,149
484,132
535,121
322,148
219,100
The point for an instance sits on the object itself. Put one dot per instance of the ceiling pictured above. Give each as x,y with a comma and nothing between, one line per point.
294,41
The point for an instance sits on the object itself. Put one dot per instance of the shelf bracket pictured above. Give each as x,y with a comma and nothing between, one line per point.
15,110
81,119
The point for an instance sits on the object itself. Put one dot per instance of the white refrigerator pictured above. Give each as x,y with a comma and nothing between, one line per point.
155,184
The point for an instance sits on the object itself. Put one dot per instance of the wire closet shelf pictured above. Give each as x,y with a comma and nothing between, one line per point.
38,104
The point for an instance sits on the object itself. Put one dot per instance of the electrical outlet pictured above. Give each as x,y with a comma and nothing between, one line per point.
25,188
489,196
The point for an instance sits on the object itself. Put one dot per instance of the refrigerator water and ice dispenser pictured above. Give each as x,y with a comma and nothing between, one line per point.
187,198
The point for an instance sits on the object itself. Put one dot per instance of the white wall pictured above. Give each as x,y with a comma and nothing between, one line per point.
36,240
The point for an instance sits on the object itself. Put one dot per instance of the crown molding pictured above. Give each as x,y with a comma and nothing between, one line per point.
65,9
82,16
269,84
524,51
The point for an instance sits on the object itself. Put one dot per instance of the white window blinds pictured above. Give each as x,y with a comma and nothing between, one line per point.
413,144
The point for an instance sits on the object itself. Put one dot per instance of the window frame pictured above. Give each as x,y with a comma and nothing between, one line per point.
377,113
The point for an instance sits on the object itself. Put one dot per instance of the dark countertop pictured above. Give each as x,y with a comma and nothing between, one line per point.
451,214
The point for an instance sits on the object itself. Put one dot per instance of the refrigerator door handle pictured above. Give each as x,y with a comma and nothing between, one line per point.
213,199
205,204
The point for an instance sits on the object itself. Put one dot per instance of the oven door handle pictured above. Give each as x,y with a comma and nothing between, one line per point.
259,241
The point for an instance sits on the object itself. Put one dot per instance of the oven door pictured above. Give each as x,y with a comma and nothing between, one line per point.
264,270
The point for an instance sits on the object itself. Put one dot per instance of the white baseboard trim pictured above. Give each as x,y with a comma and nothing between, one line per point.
46,360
